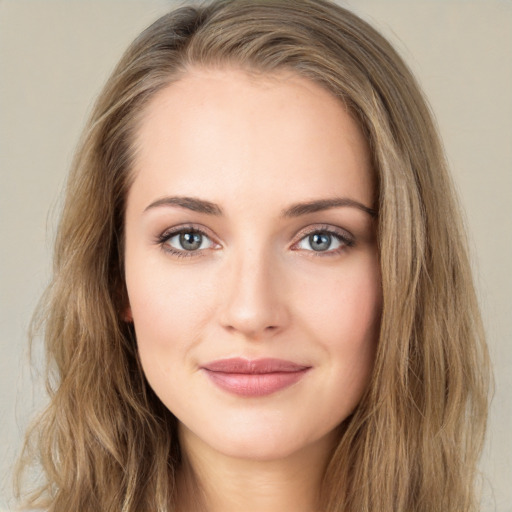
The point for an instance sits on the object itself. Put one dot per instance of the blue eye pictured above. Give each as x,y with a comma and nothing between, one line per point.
324,241
320,241
187,240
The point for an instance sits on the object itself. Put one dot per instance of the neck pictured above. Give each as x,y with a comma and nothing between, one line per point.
210,481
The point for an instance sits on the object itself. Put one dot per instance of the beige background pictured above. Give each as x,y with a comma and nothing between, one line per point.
54,56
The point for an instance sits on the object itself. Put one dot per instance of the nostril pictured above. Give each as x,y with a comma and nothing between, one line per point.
252,332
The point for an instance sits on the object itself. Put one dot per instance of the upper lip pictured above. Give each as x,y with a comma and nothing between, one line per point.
254,366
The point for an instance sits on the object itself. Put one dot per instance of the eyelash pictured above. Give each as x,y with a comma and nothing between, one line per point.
168,234
346,240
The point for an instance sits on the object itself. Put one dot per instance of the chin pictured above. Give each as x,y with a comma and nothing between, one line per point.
259,449
263,442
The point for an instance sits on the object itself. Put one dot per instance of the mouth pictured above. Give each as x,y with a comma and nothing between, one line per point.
254,378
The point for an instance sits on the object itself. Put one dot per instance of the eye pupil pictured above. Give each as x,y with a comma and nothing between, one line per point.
320,241
191,241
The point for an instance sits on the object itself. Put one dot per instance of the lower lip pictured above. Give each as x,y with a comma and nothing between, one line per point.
255,384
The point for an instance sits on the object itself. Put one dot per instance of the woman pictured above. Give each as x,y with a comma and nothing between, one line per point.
261,296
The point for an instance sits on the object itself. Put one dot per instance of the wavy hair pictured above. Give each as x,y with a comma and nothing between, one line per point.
106,442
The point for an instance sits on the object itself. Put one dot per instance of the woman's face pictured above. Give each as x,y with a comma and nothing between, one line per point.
251,261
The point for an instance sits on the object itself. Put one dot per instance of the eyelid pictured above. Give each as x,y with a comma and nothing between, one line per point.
342,234
347,239
168,233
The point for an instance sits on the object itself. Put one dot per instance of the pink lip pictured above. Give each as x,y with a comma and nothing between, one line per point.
254,378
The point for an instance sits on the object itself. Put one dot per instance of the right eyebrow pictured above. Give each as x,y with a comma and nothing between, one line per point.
319,205
190,203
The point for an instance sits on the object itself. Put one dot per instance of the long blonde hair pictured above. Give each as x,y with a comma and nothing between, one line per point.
105,441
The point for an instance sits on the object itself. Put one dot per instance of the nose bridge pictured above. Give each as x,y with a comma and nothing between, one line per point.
253,302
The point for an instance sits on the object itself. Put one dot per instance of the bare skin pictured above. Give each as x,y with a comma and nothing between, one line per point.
250,236
228,485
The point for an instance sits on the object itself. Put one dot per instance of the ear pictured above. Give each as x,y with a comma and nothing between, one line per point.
126,315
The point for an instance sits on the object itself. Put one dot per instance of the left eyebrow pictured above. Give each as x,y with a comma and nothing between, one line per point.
298,209
189,203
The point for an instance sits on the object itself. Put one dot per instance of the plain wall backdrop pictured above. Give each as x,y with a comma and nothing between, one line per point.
54,57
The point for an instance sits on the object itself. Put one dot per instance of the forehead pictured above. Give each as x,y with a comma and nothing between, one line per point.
225,132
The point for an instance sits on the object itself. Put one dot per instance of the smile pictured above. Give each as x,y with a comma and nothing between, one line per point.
254,378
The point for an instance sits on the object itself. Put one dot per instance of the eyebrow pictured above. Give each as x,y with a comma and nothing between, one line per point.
299,209
295,210
190,203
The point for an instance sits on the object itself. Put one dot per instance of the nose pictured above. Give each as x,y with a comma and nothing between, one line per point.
254,302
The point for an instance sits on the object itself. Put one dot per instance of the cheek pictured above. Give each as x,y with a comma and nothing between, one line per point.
168,313
344,318
164,327
167,301
346,307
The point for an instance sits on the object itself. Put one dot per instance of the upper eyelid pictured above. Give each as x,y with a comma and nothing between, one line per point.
196,228
328,228
300,234
165,236
345,237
